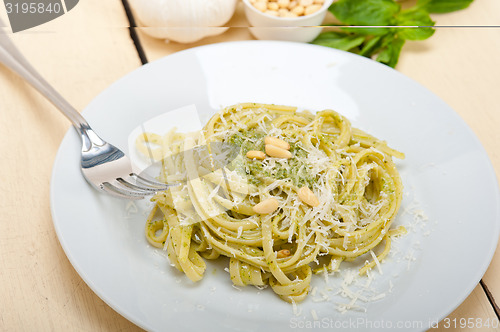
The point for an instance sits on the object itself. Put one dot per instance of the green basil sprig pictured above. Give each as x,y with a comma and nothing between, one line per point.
387,26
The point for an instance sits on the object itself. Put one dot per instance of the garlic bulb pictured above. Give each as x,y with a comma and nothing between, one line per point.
183,21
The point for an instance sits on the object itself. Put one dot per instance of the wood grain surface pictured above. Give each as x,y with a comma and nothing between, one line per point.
84,51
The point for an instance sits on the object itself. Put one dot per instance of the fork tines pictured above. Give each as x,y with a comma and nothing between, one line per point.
135,186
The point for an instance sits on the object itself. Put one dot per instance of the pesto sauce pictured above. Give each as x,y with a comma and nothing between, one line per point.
294,168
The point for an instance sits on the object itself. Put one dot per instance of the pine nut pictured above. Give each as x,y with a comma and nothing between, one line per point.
295,8
277,142
266,206
283,12
283,3
256,155
261,5
312,9
273,6
308,197
276,152
299,10
283,253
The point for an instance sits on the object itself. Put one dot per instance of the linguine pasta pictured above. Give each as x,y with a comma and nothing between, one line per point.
336,197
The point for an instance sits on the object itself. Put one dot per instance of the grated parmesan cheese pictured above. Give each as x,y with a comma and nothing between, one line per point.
375,258
314,314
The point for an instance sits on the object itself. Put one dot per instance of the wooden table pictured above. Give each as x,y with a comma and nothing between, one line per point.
84,51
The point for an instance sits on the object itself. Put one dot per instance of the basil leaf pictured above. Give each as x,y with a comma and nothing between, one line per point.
390,54
342,41
371,46
376,31
365,12
418,17
443,6
379,28
415,33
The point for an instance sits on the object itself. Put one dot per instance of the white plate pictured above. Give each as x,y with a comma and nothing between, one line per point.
446,174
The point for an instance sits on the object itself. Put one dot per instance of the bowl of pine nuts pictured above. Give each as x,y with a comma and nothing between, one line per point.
290,20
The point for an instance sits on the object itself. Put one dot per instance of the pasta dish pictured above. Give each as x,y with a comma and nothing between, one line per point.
302,193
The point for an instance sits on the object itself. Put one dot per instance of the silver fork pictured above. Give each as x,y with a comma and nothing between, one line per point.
103,165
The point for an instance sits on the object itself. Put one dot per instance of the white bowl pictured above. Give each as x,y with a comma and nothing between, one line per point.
298,29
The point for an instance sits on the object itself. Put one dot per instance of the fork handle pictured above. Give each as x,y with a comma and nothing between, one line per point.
13,59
